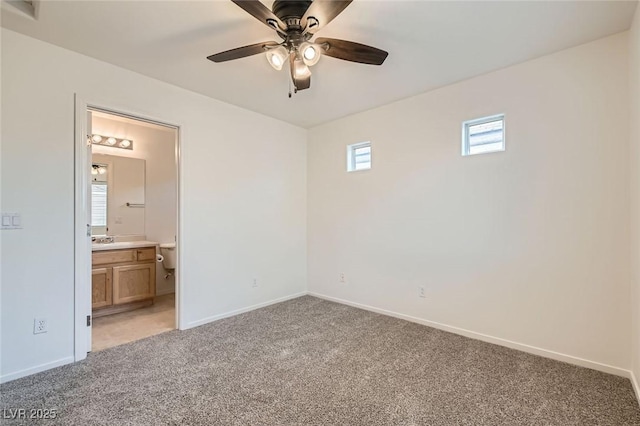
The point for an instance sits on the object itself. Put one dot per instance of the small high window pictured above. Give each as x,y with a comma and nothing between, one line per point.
359,156
483,135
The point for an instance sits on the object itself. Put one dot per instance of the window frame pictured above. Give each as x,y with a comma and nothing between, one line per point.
102,230
97,229
466,147
351,157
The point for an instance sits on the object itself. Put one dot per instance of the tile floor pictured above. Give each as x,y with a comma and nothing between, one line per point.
114,330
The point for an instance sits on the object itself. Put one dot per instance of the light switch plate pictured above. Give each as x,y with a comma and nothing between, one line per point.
11,221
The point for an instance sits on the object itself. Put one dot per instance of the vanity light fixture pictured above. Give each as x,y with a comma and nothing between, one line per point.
97,169
111,141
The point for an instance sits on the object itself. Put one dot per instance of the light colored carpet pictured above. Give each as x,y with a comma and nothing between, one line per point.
125,327
309,361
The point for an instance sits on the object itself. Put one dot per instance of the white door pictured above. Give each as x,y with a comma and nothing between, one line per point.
88,272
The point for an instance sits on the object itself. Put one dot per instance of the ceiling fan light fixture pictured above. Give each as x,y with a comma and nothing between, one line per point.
296,23
310,53
277,57
301,70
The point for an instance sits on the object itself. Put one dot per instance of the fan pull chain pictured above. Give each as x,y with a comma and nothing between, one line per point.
289,80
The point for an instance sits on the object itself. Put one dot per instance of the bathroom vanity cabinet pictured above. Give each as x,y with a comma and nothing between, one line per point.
122,280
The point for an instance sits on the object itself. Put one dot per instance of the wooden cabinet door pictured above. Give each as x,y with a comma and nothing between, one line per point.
101,294
134,282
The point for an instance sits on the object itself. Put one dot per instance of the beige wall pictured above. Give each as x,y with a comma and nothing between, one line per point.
634,120
243,187
530,245
158,148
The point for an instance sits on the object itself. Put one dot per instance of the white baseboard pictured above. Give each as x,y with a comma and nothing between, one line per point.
460,331
37,369
490,339
634,384
207,320
68,360
163,292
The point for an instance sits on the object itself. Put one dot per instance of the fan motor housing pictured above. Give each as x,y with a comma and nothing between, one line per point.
292,9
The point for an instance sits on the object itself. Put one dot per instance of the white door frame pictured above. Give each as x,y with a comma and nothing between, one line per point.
82,238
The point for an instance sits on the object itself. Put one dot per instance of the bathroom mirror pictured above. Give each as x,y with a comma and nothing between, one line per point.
117,195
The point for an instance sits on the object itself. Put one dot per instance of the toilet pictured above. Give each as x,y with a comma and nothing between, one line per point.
168,251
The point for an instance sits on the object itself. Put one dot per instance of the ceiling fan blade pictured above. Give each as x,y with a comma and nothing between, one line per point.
262,13
241,52
300,72
324,11
350,51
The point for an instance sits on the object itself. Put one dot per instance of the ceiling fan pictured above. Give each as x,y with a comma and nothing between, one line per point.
296,22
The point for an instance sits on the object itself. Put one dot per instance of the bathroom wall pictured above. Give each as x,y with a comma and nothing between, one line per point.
157,146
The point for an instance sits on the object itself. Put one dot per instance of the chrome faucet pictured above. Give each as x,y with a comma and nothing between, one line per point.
102,240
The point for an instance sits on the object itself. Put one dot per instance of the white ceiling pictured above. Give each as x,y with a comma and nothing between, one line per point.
430,44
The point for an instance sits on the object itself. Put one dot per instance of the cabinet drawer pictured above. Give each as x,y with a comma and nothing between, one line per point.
113,256
146,254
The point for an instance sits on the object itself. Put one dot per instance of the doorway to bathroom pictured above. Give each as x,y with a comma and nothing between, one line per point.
131,203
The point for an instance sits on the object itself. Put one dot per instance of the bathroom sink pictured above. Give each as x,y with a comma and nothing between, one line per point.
123,245
102,240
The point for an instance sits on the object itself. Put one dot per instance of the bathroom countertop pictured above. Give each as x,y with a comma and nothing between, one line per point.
122,245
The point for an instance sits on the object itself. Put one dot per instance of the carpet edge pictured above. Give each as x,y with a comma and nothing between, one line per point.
214,318
557,356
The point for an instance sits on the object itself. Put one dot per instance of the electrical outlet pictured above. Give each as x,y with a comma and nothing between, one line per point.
421,291
342,278
40,325
255,282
